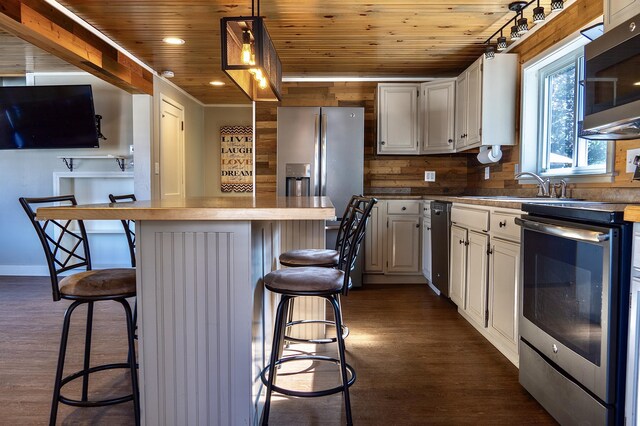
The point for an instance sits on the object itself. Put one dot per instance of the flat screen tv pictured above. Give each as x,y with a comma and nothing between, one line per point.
46,117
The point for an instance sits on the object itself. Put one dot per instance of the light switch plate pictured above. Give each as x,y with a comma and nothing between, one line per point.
429,176
631,154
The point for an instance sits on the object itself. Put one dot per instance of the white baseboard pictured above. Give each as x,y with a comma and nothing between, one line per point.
43,270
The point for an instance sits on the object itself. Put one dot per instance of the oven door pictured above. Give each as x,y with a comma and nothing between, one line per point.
565,312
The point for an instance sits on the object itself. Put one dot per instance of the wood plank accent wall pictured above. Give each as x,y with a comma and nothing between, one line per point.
403,175
49,29
569,21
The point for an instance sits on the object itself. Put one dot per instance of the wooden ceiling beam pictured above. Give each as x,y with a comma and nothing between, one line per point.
52,31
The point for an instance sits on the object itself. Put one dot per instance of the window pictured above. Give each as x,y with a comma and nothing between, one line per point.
552,103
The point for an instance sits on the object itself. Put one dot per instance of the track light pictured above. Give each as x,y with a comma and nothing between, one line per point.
489,52
538,13
502,43
515,35
557,5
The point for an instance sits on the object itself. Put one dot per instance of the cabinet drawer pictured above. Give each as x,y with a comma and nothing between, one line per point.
503,225
470,217
403,207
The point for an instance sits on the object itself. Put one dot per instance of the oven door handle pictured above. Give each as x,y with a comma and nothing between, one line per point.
563,231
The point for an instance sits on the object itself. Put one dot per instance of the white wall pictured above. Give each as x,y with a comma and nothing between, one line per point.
29,173
214,117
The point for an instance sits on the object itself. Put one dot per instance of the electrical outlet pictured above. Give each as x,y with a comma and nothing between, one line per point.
486,172
429,176
516,169
631,154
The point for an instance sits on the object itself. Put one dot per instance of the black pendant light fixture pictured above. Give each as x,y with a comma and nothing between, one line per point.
502,42
557,5
249,57
538,14
489,52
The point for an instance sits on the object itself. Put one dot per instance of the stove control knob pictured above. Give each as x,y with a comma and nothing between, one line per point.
555,348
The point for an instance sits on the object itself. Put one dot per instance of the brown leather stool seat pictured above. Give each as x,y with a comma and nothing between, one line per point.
100,283
308,281
325,258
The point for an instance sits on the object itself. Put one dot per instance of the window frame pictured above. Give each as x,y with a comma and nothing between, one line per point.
532,149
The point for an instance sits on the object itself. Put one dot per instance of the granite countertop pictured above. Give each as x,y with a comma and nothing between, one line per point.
261,207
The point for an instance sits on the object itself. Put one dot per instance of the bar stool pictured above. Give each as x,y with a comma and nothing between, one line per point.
128,225
66,248
130,233
323,258
328,283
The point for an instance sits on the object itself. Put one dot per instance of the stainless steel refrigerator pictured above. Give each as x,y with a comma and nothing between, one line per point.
321,152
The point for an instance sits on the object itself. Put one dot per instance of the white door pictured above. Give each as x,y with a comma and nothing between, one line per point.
403,244
458,269
398,118
477,274
438,116
171,149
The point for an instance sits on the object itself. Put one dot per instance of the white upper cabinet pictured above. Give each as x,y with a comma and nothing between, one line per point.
486,103
398,130
437,114
618,11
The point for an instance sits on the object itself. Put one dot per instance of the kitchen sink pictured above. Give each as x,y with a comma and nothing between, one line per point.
525,199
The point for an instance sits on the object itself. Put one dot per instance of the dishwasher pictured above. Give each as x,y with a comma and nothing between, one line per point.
440,243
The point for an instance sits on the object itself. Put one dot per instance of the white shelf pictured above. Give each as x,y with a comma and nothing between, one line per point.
68,159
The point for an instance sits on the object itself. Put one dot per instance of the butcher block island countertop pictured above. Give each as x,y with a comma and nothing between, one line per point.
632,213
204,316
262,207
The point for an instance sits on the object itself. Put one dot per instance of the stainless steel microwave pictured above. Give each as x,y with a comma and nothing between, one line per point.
612,84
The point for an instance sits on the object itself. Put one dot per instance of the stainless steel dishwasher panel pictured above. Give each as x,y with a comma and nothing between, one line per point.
440,243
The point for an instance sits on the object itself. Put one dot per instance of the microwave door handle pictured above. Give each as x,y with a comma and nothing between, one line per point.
563,231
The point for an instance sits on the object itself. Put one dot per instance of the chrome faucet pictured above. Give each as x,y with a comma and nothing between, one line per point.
543,184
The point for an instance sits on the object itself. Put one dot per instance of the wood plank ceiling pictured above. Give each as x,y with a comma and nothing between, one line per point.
20,57
388,38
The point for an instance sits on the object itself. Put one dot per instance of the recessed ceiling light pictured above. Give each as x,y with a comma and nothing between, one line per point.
217,83
637,83
173,40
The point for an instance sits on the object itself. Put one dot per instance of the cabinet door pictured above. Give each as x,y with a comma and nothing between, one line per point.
618,11
477,274
503,293
438,117
458,262
374,240
403,244
426,248
461,111
398,119
474,98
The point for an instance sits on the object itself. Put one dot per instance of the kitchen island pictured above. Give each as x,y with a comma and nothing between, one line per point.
204,318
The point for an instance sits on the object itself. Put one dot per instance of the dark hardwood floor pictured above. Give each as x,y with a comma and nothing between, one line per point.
417,362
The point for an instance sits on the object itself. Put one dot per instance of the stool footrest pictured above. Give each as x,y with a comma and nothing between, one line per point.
310,394
100,403
345,332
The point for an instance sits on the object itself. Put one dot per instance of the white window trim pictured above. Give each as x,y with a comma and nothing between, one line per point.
529,126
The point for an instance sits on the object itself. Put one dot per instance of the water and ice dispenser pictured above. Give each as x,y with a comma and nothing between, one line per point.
298,179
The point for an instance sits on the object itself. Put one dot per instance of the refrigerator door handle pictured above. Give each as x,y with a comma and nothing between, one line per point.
323,160
317,185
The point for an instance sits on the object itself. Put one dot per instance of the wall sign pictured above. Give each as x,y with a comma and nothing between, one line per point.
236,158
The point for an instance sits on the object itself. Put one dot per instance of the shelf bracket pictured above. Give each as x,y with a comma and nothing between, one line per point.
120,162
68,162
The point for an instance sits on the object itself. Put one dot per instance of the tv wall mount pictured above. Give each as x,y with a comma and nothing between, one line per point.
99,127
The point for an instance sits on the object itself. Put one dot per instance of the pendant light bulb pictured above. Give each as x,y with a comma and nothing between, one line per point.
246,47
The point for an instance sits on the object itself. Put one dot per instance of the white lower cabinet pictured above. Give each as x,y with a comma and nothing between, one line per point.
458,266
504,283
393,239
477,271
426,243
485,273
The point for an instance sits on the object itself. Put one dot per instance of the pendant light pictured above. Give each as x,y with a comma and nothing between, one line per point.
249,57
489,52
502,42
557,5
538,13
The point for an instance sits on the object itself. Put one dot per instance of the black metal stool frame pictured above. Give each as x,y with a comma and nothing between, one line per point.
345,221
355,231
79,256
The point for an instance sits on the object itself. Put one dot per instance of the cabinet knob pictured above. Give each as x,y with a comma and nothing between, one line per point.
417,225
502,224
404,208
450,140
382,143
428,228
464,136
466,243
461,242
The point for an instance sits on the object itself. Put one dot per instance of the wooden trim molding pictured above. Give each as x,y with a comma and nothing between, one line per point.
52,31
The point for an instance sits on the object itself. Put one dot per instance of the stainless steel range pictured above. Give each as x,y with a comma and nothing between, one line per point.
574,309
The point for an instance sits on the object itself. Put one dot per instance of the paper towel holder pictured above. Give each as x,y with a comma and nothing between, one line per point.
491,154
